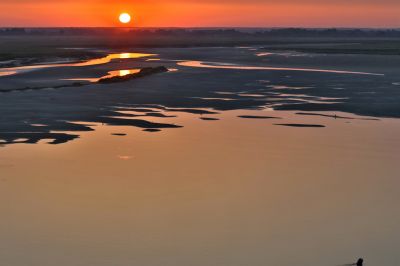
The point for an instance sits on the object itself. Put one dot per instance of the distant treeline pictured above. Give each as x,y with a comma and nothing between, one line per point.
254,33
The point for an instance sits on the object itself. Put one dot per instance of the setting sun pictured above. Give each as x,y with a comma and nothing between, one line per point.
124,18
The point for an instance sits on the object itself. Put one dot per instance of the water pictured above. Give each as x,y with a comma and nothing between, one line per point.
228,66
110,74
259,186
92,62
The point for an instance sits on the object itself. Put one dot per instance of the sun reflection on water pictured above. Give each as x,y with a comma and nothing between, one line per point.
126,72
98,61
110,74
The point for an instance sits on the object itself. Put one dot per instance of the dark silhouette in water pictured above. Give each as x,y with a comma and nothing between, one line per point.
359,262
142,73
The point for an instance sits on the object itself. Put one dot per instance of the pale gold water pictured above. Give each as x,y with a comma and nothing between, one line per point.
230,192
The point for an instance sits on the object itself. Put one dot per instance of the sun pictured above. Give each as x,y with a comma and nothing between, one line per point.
125,18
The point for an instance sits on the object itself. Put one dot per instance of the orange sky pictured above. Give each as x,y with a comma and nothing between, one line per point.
205,13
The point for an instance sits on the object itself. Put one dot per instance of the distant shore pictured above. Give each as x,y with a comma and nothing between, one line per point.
20,46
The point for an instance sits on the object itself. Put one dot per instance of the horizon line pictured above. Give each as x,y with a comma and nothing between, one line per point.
195,27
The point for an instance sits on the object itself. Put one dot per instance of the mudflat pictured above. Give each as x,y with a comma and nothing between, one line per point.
236,155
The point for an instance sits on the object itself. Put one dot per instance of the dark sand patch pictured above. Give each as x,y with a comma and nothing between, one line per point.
142,73
119,134
152,130
192,111
134,122
300,125
147,71
150,114
209,118
259,117
139,110
75,84
33,138
335,116
155,114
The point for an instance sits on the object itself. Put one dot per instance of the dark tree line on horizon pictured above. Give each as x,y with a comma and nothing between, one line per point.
181,32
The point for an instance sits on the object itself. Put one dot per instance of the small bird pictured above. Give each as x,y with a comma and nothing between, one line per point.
359,262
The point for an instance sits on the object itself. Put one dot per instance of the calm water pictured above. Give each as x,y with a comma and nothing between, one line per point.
254,187
93,62
241,67
230,192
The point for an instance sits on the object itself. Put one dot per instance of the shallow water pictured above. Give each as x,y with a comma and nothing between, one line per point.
110,74
202,165
230,192
241,67
92,62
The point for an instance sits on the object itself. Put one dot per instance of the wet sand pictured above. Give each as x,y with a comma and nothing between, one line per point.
226,86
